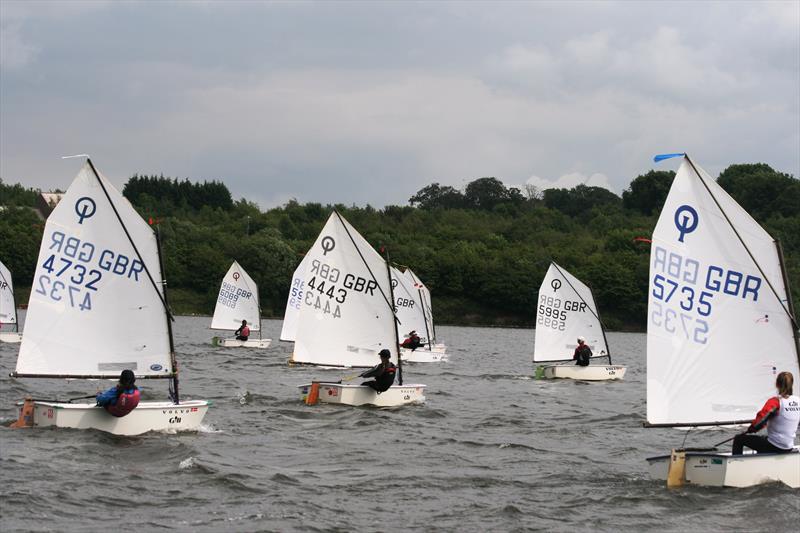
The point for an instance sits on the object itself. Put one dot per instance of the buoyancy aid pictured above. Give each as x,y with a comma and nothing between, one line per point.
126,402
386,379
782,426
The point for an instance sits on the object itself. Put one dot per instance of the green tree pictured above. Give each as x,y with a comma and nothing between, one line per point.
647,192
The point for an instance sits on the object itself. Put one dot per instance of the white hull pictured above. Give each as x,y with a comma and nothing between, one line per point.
148,416
232,342
421,355
11,336
585,373
360,395
712,469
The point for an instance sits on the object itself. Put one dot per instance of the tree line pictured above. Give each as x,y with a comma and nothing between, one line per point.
483,251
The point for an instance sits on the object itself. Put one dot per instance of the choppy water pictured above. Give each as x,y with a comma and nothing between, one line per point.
491,450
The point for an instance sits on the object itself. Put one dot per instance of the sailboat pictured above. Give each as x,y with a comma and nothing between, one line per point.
98,306
237,301
294,301
566,310
720,328
427,310
346,317
8,307
411,316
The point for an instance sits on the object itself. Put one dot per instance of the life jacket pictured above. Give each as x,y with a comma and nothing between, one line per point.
244,331
782,427
126,402
386,379
584,354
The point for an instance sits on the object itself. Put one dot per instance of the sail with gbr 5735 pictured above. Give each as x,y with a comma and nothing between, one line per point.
720,328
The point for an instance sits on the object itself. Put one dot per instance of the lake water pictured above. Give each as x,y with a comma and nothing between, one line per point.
491,450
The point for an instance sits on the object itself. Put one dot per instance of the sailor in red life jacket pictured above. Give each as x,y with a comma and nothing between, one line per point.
582,353
123,398
243,333
412,342
781,415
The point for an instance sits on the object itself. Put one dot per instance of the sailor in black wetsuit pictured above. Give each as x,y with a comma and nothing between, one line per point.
383,373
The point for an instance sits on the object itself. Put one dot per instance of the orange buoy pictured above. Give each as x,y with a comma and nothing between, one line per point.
313,394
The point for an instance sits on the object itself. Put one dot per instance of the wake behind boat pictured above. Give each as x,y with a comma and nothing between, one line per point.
238,301
567,311
99,270
720,328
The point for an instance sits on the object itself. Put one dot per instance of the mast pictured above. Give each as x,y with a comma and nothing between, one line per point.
425,319
789,300
175,393
394,318
602,327
258,307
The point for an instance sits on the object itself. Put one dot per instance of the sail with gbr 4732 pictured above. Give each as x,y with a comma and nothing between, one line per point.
97,307
720,328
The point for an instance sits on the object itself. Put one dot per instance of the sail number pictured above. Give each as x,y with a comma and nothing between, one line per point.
296,294
229,295
57,290
552,311
73,270
683,291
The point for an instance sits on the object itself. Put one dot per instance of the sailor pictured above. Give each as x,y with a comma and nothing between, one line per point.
781,415
122,398
383,373
582,353
412,341
243,333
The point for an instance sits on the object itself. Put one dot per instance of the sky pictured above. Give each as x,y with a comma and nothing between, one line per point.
368,102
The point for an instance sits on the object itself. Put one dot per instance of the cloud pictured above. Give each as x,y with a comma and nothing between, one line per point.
568,181
369,102
14,51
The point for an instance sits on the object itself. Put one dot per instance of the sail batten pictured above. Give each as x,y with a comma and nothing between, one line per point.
96,304
565,311
718,328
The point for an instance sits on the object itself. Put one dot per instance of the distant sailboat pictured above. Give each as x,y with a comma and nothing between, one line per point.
720,328
294,301
98,306
237,301
346,316
565,311
427,310
8,307
410,309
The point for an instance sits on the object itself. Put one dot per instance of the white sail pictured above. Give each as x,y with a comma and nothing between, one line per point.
565,311
717,333
294,301
345,318
409,308
8,309
425,301
237,301
93,309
